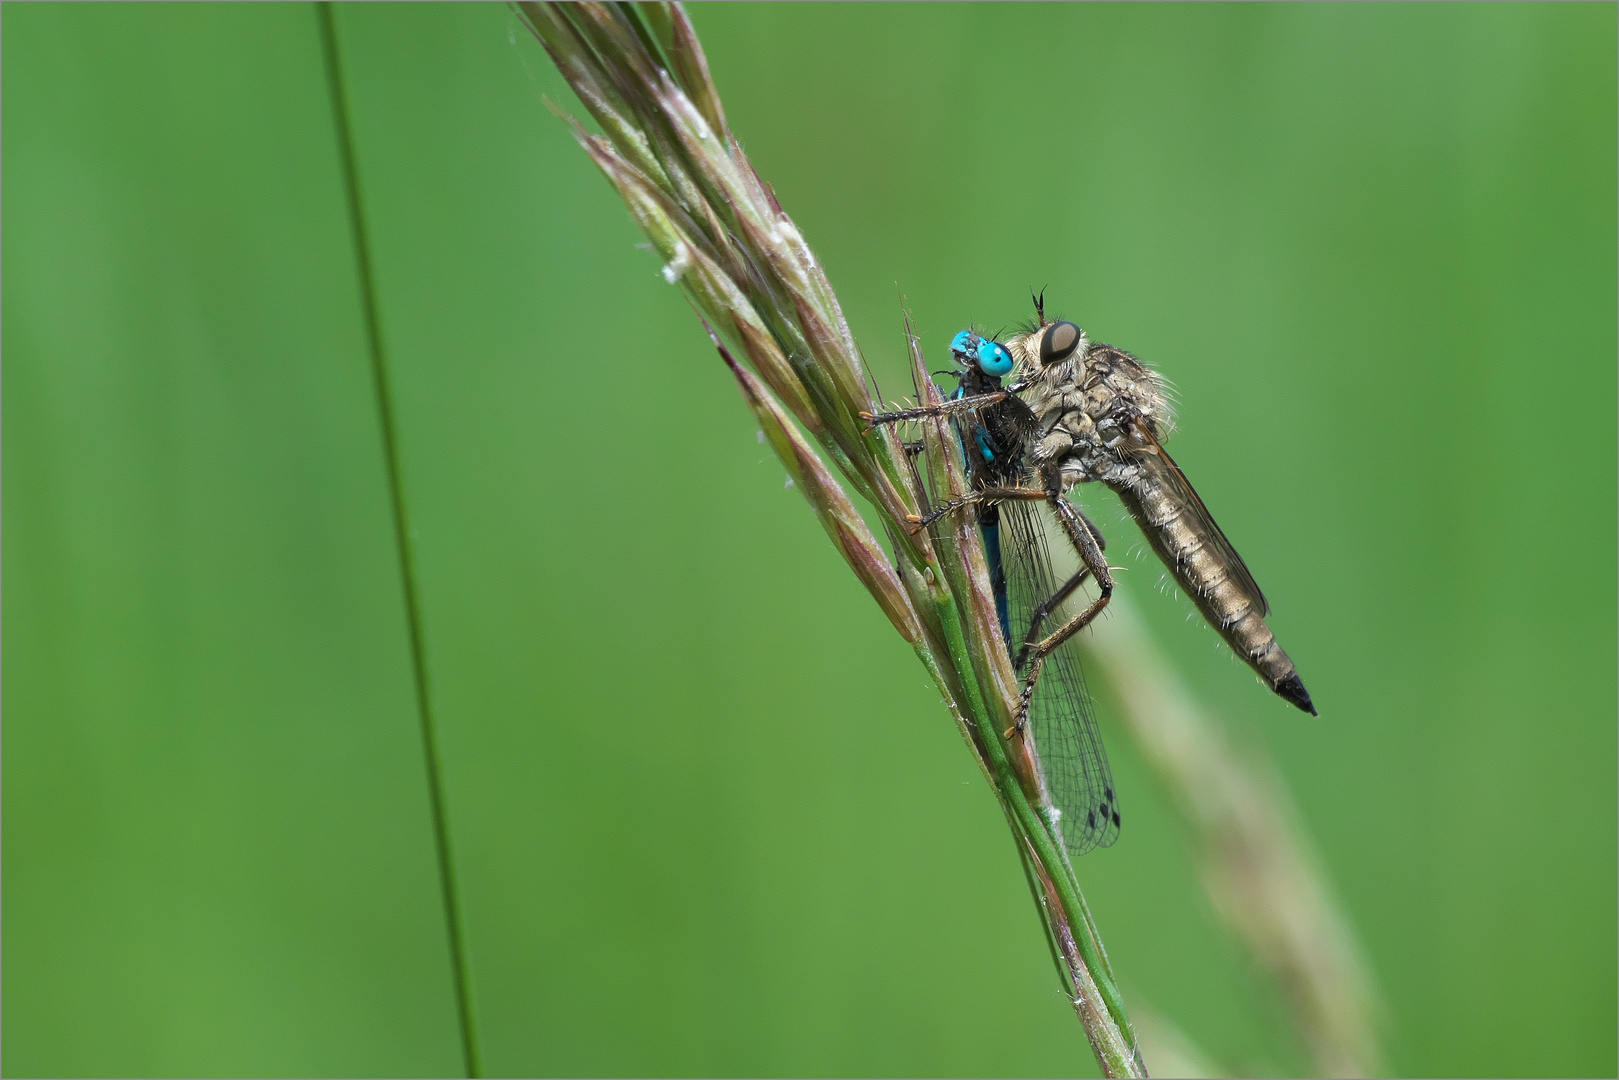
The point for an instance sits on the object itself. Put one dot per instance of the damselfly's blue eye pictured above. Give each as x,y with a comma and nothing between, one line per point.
990,356
993,359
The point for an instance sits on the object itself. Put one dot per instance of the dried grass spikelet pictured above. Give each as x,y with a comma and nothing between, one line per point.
726,242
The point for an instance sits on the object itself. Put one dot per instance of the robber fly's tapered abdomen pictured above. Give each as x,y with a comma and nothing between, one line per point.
1208,572
1102,417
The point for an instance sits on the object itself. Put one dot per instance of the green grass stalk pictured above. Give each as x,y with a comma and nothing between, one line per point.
640,72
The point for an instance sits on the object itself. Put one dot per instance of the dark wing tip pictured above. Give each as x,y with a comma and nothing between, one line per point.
1292,689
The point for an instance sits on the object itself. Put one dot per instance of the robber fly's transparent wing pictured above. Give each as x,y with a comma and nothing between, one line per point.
1151,454
1061,714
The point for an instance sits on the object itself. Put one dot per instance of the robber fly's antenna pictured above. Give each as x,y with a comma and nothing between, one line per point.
1039,304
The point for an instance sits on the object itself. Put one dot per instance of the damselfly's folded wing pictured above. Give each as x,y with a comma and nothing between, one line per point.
1061,714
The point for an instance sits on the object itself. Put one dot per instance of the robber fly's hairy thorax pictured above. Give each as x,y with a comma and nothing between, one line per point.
1087,399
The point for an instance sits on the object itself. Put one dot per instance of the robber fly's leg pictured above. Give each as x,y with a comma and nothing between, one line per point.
913,448
1085,539
976,401
987,494
1040,614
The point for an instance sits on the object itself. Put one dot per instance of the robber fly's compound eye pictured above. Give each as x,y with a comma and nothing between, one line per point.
993,359
1058,343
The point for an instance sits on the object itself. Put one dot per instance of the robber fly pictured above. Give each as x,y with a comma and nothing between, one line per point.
1079,412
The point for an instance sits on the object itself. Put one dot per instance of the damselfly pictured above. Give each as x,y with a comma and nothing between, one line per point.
1078,412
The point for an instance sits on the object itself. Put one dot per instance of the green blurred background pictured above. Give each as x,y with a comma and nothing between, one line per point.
1374,246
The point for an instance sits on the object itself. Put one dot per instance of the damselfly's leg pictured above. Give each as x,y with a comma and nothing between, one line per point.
1083,535
977,401
984,494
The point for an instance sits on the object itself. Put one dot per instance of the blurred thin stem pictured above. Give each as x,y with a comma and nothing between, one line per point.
461,973
1256,862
